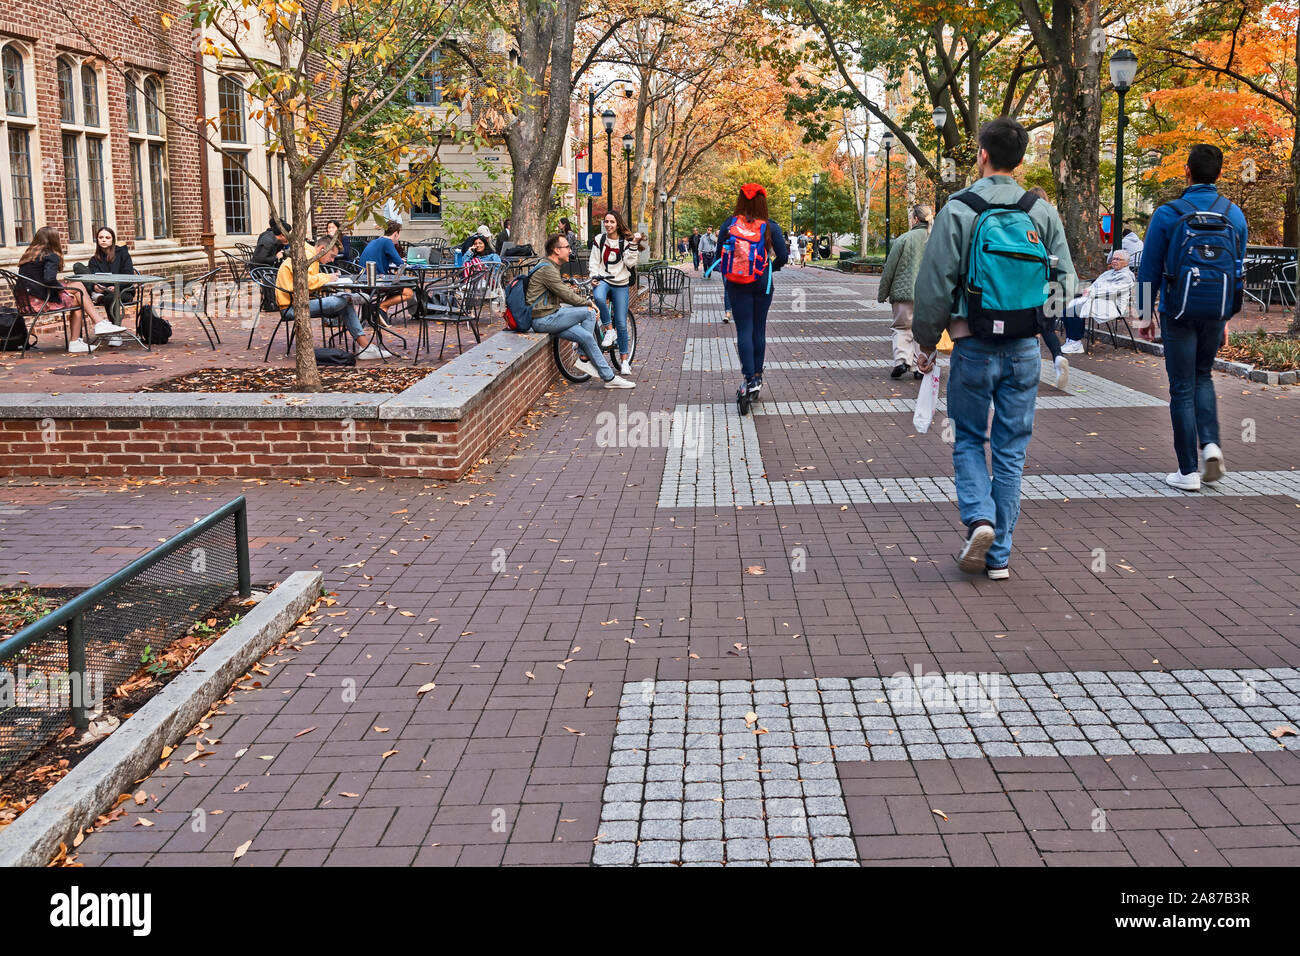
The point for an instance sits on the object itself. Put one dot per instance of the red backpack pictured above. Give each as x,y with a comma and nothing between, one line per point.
744,256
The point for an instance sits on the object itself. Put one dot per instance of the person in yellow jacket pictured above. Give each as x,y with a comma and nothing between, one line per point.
327,247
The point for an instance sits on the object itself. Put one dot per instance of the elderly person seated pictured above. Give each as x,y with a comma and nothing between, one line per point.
1109,297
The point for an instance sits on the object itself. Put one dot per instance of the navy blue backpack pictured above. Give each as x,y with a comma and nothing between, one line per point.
1203,280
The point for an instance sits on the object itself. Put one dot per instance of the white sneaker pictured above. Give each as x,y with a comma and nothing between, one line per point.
115,341
625,368
617,382
609,338
373,351
978,542
999,574
105,327
1212,467
580,365
1072,347
77,345
726,317
1176,479
1062,371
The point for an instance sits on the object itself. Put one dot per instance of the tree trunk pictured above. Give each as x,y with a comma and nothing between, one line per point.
1294,327
535,138
304,345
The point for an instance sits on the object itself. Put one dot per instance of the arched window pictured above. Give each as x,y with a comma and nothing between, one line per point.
152,107
14,81
18,201
90,95
230,103
67,97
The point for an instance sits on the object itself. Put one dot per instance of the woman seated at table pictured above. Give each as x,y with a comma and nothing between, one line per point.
479,253
1109,297
38,272
113,259
330,305
383,253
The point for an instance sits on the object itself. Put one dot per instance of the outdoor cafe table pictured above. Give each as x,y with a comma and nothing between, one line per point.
121,281
433,280
372,294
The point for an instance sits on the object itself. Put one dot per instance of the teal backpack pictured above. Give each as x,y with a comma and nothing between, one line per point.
1006,276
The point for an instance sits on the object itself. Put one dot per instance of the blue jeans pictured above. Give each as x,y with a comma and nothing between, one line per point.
618,295
1190,348
577,323
334,305
749,312
1004,375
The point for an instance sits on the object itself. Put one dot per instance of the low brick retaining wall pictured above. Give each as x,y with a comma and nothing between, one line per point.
437,428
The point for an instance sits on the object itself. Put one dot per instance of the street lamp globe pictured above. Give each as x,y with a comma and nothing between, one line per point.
940,117
1123,69
608,117
817,177
628,140
887,141
663,198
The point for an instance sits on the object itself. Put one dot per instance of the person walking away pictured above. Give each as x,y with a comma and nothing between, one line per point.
575,319
753,248
992,305
897,286
614,254
38,280
694,243
1192,277
1107,298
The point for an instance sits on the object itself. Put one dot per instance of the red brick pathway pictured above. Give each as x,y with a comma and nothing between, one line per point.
496,767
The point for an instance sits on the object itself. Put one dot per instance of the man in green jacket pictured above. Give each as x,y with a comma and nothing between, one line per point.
897,284
1002,372
574,320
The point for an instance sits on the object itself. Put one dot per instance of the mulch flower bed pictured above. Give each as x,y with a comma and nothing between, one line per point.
1275,353
378,378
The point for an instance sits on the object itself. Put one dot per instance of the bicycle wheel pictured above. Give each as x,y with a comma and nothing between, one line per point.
566,359
615,357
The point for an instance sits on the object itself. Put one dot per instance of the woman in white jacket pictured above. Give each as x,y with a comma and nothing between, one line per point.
1110,297
614,254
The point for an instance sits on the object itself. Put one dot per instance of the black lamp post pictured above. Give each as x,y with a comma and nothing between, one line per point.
628,142
591,139
793,201
940,117
608,119
817,177
673,203
663,219
886,143
1123,68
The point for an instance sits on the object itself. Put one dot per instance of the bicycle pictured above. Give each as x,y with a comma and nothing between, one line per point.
566,352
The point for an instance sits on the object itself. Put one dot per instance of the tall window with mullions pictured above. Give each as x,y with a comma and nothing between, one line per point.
95,173
137,191
235,181
158,188
20,172
72,188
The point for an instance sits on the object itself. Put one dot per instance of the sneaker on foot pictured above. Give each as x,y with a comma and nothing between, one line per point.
1072,347
77,345
619,382
115,340
1176,479
105,327
726,317
374,351
917,375
1062,371
978,542
899,370
998,574
609,338
625,368
1212,468
582,365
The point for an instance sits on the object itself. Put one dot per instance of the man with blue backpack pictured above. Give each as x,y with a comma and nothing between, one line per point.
986,278
1191,276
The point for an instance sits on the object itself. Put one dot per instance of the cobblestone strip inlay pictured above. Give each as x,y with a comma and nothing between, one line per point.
743,773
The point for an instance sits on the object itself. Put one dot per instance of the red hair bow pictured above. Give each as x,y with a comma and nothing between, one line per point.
750,190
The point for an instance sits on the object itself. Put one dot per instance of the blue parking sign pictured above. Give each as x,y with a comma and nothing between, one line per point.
589,184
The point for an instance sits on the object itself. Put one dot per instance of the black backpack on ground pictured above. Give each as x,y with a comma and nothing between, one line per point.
326,358
13,331
152,328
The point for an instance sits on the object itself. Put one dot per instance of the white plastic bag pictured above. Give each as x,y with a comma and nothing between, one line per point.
927,399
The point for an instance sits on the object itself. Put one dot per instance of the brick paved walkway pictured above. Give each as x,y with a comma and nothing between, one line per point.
602,633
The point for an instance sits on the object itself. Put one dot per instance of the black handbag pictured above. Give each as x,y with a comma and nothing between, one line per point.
334,357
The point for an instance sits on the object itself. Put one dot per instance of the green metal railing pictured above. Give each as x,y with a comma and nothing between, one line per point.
59,666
